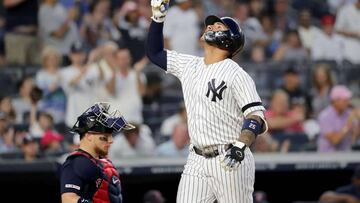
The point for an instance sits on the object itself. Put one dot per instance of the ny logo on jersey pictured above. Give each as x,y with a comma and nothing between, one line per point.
216,91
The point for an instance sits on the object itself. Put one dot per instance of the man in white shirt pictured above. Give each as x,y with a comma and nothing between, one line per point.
127,86
307,31
348,25
328,45
181,29
77,83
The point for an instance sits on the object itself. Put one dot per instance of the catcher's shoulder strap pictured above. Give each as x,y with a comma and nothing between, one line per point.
80,152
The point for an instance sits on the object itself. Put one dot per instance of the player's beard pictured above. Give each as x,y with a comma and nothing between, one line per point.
101,152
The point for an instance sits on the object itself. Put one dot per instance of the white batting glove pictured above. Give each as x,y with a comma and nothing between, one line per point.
234,155
159,9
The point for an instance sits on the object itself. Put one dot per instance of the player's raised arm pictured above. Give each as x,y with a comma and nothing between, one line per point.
155,41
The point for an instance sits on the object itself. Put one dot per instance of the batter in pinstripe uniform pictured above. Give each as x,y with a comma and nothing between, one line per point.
224,111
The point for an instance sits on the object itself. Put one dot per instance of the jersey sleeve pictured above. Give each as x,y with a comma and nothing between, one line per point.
76,173
245,93
177,62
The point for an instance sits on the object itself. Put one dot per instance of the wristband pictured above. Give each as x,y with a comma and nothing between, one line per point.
252,125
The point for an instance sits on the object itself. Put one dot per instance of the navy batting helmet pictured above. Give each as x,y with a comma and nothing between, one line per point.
231,40
98,119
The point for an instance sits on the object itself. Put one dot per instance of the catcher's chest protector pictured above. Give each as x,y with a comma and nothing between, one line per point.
108,185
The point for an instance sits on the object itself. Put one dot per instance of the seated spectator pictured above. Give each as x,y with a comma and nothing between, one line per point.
7,107
40,124
345,194
153,196
335,125
328,45
30,149
273,35
292,86
280,117
169,124
48,80
178,146
322,82
284,124
22,102
7,135
51,142
307,31
291,49
133,143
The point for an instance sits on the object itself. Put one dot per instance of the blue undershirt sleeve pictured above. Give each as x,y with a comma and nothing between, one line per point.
155,45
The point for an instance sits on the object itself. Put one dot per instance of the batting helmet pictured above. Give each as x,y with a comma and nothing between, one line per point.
232,40
98,119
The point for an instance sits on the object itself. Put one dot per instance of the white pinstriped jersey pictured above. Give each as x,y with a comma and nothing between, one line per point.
215,97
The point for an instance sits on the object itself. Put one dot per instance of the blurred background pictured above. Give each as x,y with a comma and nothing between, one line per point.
58,57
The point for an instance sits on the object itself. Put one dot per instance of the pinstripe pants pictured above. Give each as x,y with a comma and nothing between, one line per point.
204,180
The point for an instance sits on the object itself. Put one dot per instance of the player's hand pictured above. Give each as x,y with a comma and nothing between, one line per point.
159,9
234,155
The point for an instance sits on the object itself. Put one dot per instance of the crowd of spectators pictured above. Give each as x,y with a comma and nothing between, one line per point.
73,53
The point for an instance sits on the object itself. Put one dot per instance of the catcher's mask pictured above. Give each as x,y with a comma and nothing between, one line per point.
232,40
98,119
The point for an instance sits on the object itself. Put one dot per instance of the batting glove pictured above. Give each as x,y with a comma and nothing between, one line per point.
234,155
159,9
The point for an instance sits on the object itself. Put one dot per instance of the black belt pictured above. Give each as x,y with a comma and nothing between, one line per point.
211,152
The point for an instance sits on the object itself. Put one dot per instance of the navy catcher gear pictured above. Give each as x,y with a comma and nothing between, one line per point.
98,119
232,40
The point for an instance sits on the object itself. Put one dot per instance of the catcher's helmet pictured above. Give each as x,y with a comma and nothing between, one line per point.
231,40
98,119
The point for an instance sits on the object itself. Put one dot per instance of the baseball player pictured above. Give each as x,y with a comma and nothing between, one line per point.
224,111
87,176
